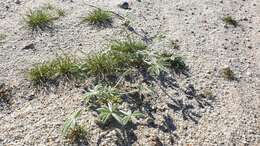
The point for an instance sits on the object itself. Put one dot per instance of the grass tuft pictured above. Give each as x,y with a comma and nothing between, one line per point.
101,64
38,19
99,17
129,46
230,21
62,66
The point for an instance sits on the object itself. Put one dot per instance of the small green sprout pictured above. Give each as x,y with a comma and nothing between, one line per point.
72,131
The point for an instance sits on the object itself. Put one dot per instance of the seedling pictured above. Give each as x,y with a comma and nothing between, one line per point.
230,21
99,17
228,74
72,130
38,19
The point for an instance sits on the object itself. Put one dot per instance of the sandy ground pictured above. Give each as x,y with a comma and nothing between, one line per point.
206,44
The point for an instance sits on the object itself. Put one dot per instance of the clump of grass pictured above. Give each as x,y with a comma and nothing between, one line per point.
121,56
129,51
38,19
101,64
230,21
62,66
43,18
129,46
228,74
99,17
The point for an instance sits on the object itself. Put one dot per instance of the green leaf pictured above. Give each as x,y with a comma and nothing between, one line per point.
71,122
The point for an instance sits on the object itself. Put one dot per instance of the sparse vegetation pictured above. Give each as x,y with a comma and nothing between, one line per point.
228,74
230,21
99,17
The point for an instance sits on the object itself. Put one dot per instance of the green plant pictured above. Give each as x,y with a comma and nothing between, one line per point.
103,95
228,74
230,21
129,116
98,17
41,73
38,19
107,112
178,64
129,46
128,52
72,130
64,66
61,66
70,123
103,64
